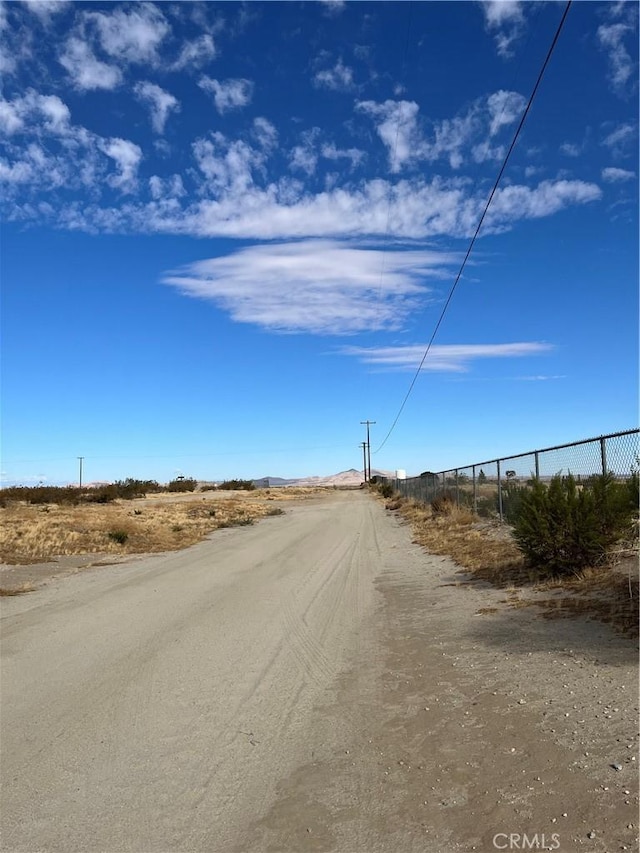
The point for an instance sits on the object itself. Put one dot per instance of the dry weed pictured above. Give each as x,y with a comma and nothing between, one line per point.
30,535
17,590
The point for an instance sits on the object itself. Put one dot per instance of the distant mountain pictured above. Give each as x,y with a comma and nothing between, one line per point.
352,477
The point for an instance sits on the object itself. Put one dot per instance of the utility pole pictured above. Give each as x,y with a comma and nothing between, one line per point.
363,445
81,459
368,448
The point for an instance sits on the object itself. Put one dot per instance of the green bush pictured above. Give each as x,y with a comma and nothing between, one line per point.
512,494
564,528
119,536
241,485
42,494
182,484
386,490
71,495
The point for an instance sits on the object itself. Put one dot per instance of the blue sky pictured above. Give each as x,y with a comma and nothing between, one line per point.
229,231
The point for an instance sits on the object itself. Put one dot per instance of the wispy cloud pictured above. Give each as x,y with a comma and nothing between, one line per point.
333,7
160,103
232,94
85,70
195,53
46,10
338,79
612,175
322,287
354,155
611,39
620,141
126,155
130,35
45,151
570,149
504,19
467,136
442,358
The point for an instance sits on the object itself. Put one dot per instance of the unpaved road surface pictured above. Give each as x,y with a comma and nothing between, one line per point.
315,682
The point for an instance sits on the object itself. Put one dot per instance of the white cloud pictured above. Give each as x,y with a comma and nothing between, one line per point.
442,358
163,188
265,133
228,166
505,20
454,139
333,7
613,175
339,78
86,71
32,109
11,121
132,35
570,149
620,140
318,286
304,157
283,211
397,127
532,203
160,103
196,53
229,94
486,152
126,156
330,152
611,39
45,10
505,108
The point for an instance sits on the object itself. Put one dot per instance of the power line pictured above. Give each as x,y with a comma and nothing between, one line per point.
484,213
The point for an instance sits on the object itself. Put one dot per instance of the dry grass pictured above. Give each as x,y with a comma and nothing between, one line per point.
606,593
17,590
31,534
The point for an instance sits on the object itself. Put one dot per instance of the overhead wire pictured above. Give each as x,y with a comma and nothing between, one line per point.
482,218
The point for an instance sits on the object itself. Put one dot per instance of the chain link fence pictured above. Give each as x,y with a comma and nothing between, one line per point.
493,488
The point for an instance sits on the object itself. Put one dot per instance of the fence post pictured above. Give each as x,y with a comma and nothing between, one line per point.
603,456
457,490
537,457
499,491
475,492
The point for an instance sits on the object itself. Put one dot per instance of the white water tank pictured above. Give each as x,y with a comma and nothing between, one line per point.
401,474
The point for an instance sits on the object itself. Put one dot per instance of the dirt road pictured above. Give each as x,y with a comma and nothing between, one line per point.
315,682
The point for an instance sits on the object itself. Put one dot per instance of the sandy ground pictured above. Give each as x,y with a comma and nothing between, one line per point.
313,683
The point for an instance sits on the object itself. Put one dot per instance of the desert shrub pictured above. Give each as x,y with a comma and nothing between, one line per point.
119,536
486,507
565,528
182,484
242,485
511,500
386,490
442,505
42,494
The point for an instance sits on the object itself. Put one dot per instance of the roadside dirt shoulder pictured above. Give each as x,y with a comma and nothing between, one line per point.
480,724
